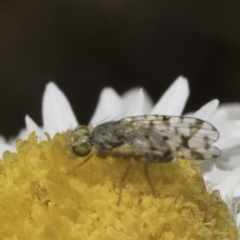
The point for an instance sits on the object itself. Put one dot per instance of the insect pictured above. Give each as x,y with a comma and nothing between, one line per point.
151,138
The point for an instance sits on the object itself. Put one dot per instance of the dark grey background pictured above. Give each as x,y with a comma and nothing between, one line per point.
86,45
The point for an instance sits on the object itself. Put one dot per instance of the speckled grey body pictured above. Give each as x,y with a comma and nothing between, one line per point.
152,138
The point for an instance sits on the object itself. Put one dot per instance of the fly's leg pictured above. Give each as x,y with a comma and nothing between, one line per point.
149,180
123,179
80,164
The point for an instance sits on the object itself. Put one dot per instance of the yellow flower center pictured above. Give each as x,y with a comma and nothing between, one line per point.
39,200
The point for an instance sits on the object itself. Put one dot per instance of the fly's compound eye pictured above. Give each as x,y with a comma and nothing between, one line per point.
82,149
80,141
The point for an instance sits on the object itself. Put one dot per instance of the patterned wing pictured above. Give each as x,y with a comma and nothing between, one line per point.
162,138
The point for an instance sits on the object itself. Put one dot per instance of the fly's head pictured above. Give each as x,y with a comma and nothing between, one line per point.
81,141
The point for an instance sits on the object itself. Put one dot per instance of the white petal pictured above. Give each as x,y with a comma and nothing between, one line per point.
31,125
229,159
173,100
22,134
206,166
57,113
207,111
128,98
228,186
110,105
228,111
225,143
237,191
215,176
135,108
227,121
6,147
2,139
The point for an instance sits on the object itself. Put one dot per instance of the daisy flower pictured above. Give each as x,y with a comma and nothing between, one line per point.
42,198
223,173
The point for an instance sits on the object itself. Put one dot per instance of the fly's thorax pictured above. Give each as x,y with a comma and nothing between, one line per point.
81,140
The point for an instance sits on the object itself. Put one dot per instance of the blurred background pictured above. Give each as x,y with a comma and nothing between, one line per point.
85,45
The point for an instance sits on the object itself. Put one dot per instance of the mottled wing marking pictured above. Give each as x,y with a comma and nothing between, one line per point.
162,138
